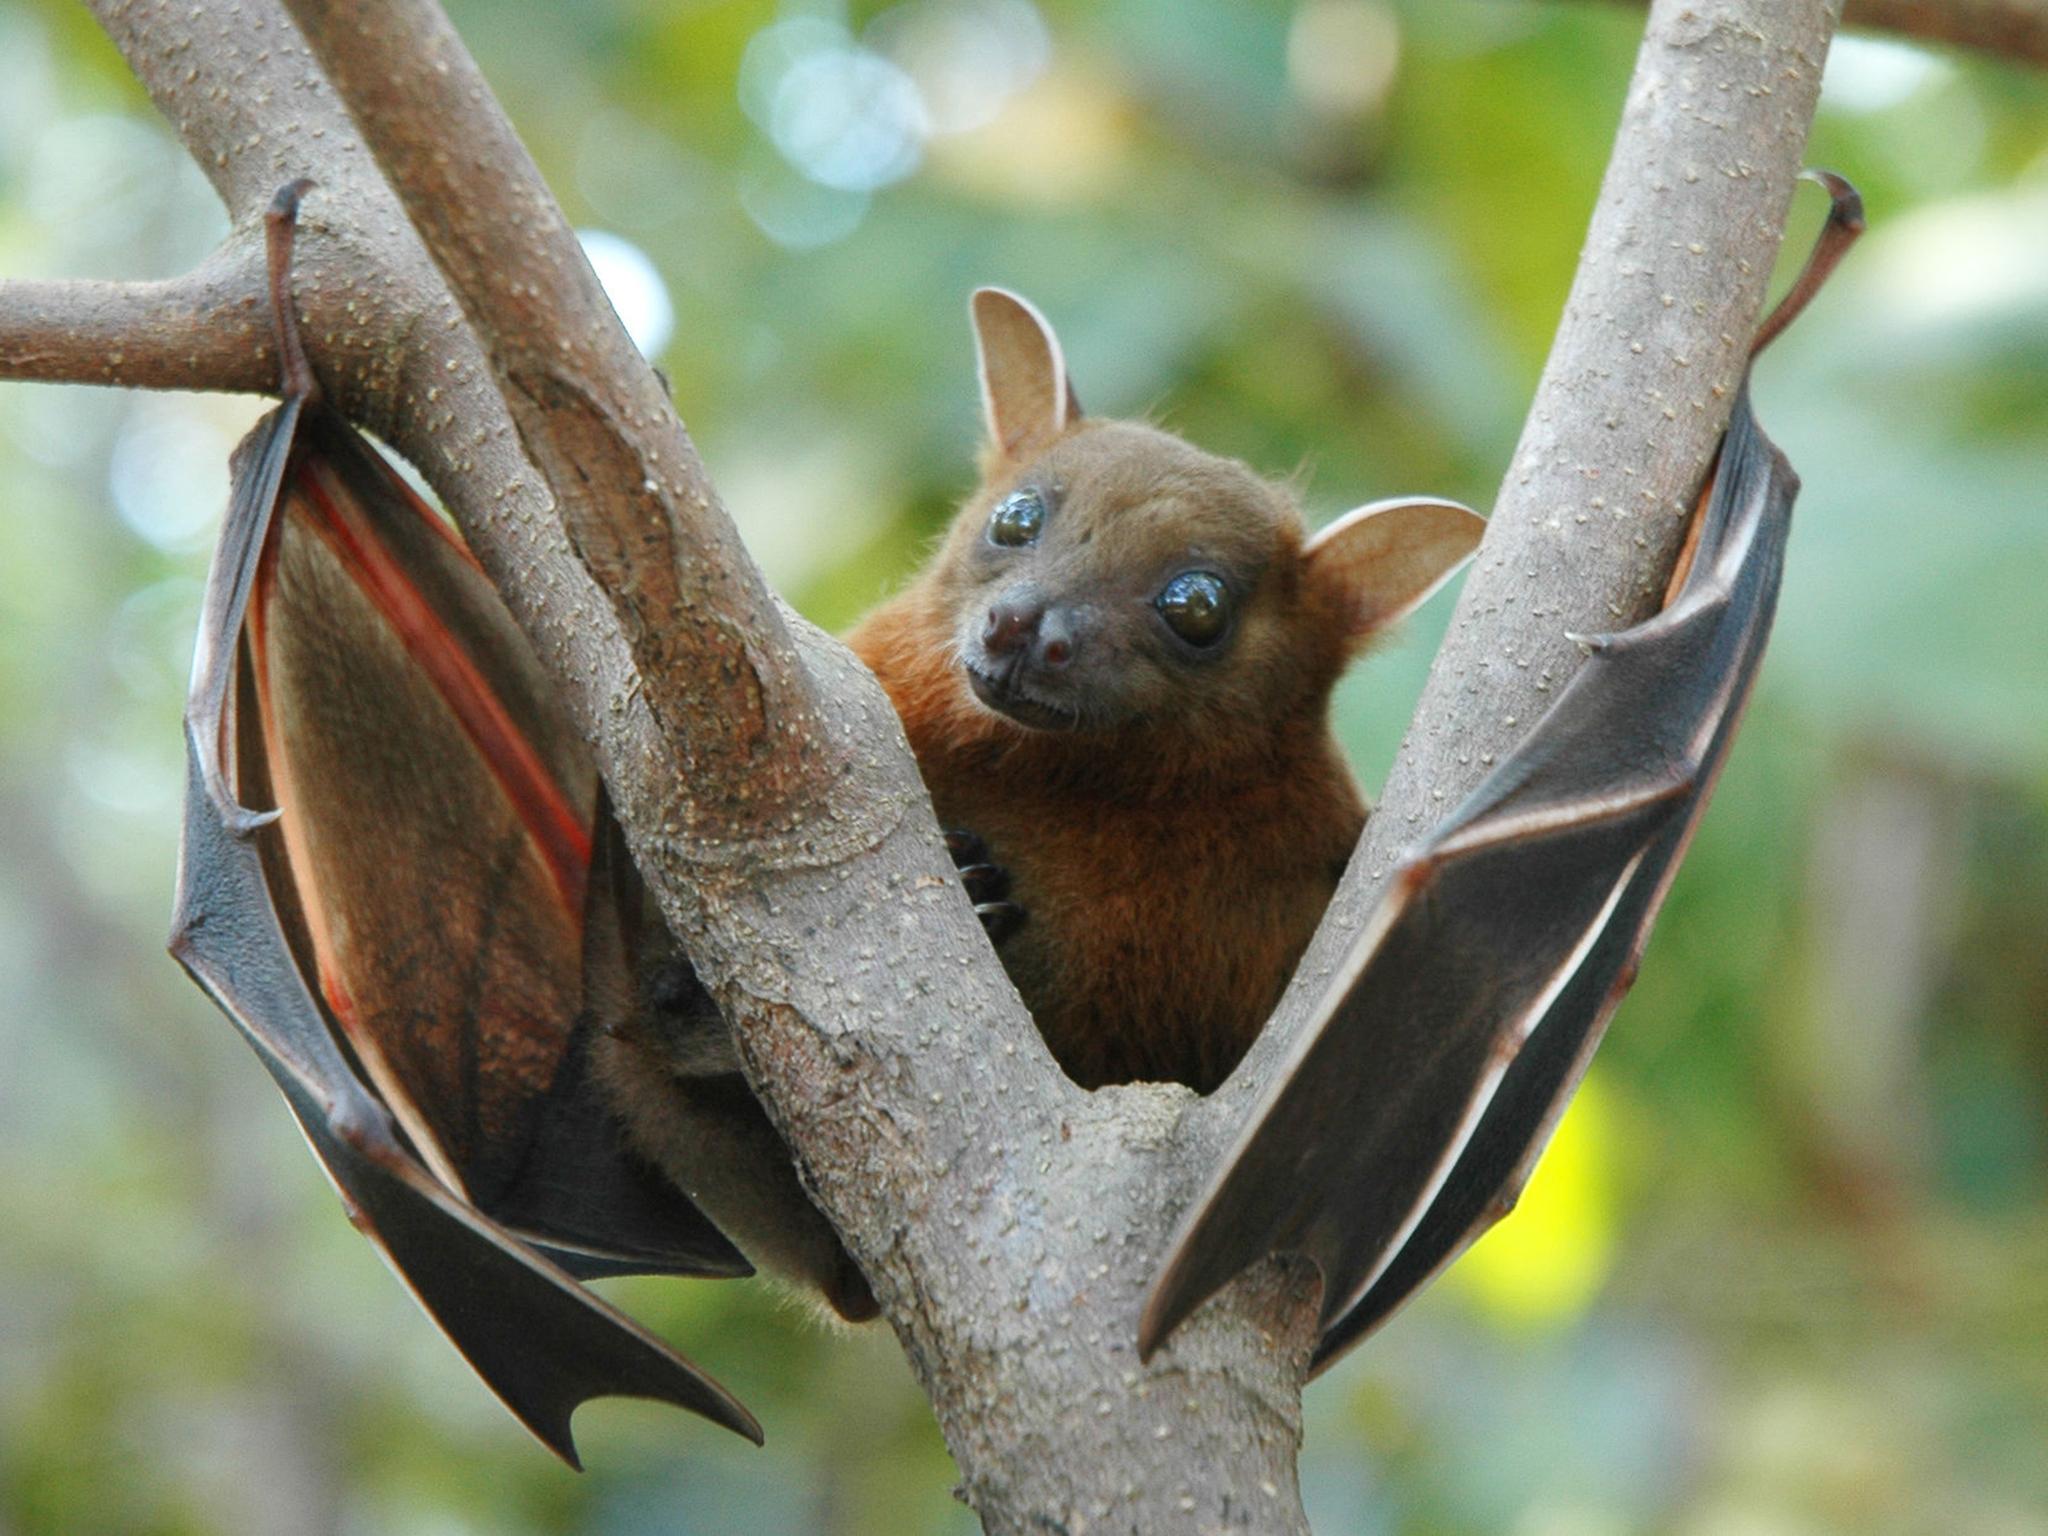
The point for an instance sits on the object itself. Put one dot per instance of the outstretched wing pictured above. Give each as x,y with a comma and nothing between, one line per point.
418,939
1408,1116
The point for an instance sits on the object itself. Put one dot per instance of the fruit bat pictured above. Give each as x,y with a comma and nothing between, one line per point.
357,674
438,1045
1409,1111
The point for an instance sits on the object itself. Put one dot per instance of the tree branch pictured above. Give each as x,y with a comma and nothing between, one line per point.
1008,1221
1632,401
2007,29
2013,30
717,669
209,329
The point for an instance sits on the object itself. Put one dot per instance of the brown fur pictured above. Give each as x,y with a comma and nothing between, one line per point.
1173,836
687,1109
1175,853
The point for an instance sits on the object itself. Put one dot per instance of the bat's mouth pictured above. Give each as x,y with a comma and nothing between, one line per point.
1010,696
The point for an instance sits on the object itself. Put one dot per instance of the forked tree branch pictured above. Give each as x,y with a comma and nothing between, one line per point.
1009,1222
964,1172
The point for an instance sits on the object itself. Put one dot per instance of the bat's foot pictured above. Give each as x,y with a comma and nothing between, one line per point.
848,1293
988,885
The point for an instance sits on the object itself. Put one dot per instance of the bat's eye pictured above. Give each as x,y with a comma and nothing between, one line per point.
1196,606
1017,519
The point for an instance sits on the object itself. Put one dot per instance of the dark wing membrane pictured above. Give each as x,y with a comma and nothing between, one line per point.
1408,1115
250,915
596,1208
1445,1048
1746,524
436,816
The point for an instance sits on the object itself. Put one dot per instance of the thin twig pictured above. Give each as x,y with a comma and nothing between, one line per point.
2015,31
205,330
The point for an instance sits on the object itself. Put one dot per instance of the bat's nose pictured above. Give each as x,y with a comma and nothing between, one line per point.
1020,626
1055,639
1012,625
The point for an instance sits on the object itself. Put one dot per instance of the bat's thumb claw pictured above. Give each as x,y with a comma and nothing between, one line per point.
243,822
285,204
1847,202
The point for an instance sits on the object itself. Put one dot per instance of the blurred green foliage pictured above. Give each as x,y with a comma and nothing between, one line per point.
1786,1270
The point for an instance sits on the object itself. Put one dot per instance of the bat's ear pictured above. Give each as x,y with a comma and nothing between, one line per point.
1378,563
1026,398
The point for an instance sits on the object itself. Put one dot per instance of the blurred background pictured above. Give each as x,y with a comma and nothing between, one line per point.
1785,1269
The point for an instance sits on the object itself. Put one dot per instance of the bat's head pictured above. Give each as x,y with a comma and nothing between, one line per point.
1108,576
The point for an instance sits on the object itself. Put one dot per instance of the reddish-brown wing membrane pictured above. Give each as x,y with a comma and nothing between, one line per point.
1410,1111
419,938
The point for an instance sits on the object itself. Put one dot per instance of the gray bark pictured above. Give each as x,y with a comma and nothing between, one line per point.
1008,1221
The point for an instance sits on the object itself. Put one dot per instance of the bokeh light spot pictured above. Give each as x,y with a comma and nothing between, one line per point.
849,119
1873,74
1542,1265
1342,55
634,286
967,57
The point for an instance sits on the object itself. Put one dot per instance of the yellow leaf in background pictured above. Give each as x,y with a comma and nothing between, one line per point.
1541,1267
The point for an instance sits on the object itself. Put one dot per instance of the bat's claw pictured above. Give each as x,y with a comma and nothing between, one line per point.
243,822
999,919
239,821
987,884
966,848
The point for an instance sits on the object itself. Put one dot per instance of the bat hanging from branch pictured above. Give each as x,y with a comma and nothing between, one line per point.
1410,1110
357,672
400,880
